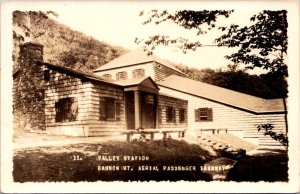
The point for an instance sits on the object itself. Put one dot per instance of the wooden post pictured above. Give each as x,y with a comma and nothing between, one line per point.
129,137
156,110
164,135
137,122
152,136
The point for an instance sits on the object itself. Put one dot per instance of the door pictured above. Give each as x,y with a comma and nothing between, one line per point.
129,98
148,111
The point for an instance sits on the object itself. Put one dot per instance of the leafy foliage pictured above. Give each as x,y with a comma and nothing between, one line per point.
264,86
262,44
201,21
267,128
62,45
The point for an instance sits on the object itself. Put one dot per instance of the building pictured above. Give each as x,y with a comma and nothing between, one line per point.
134,91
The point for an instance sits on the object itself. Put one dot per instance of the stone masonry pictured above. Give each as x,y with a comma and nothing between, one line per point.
28,89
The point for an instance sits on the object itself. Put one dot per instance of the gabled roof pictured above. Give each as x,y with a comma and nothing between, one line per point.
135,57
224,96
137,81
76,73
140,84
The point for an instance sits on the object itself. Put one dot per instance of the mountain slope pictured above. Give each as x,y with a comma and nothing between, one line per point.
62,45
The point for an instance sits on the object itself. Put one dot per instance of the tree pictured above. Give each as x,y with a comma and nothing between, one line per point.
24,29
231,78
262,44
62,45
201,21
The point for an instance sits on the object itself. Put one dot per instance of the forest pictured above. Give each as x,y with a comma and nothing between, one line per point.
62,45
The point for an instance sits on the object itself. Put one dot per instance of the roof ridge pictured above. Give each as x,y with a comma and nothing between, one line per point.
135,57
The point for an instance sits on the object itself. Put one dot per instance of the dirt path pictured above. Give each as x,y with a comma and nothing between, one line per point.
24,139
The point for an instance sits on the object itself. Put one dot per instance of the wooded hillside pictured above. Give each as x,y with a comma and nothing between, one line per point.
264,85
62,45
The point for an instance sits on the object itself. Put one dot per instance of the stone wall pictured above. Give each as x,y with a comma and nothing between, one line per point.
28,90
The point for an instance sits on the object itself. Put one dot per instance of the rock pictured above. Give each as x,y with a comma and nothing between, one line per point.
219,168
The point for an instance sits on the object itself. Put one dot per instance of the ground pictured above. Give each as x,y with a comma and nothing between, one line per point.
40,157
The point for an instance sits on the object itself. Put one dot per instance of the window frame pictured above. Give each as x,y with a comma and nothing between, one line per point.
107,76
204,114
137,73
170,114
109,109
124,77
182,117
65,112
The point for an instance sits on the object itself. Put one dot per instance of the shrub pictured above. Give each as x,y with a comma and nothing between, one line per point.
283,139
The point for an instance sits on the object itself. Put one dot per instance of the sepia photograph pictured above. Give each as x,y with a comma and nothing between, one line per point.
146,94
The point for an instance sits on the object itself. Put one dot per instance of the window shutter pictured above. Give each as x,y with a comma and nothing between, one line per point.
174,115
102,110
197,115
209,114
118,111
182,115
159,115
125,75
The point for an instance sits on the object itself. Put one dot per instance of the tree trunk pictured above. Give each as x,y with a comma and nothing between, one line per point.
285,116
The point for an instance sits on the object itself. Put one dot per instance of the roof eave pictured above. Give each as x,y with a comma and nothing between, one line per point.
77,73
230,105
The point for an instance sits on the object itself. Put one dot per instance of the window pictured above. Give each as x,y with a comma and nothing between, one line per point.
110,110
170,113
66,110
138,73
46,75
181,115
121,75
84,80
203,114
159,114
107,76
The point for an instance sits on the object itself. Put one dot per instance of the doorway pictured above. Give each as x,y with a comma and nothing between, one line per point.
147,110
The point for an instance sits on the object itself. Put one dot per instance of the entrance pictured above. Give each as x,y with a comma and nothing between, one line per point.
145,109
129,98
148,111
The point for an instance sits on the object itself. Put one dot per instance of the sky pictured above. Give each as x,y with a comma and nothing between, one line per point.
120,27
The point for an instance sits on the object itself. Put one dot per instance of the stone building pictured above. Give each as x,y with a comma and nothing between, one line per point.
134,91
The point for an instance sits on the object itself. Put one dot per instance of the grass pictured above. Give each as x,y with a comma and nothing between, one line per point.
57,163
